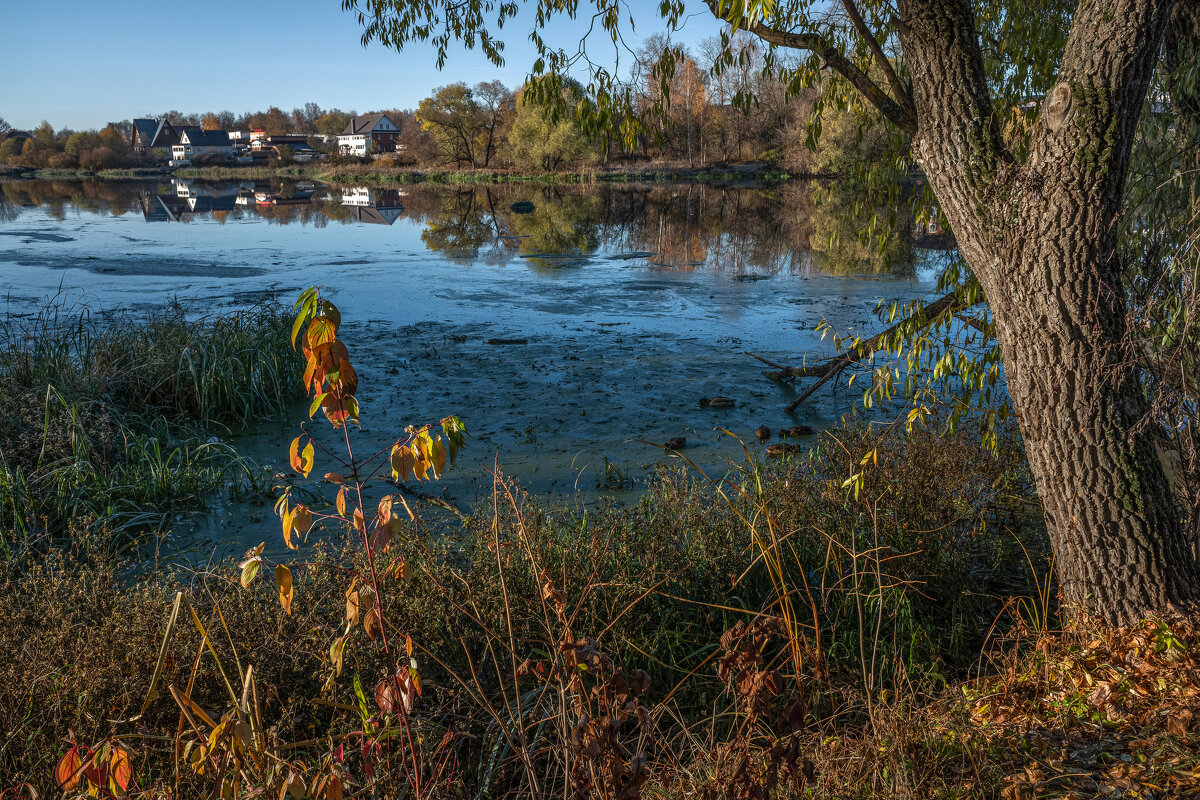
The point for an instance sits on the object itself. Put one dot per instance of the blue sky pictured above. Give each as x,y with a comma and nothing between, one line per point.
84,63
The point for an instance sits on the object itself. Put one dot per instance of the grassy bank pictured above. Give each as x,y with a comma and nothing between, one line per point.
769,635
671,605
111,420
391,175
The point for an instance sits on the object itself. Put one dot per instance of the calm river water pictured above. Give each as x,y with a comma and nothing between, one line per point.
634,303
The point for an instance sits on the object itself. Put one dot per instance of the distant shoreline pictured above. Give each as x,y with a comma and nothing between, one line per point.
359,174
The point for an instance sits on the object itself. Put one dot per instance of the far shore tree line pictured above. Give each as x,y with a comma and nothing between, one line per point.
488,126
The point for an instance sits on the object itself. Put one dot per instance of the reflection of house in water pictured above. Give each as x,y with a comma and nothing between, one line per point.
189,197
375,206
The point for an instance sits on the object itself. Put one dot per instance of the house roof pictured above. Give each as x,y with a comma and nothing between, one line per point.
144,130
202,138
365,124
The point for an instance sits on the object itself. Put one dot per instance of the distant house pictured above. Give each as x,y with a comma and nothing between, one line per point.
20,136
369,130
155,134
195,144
145,131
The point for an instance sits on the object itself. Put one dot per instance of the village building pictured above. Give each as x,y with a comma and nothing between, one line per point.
156,134
146,133
195,144
370,133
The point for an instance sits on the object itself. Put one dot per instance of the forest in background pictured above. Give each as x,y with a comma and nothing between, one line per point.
487,126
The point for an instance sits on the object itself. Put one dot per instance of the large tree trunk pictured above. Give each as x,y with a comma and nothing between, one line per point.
1041,238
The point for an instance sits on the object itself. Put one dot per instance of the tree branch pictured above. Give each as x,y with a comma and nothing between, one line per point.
903,118
901,92
830,369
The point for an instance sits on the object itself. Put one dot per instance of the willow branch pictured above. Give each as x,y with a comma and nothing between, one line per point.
813,42
901,92
830,369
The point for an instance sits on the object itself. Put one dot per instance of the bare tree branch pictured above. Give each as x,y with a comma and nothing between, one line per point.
903,118
902,94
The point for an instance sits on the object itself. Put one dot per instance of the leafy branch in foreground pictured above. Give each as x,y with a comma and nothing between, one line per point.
234,750
332,382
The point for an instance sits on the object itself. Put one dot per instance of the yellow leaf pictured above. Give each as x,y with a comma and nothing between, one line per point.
341,502
371,623
402,462
302,460
294,454
301,519
336,651
283,580
321,330
307,457
439,457
385,508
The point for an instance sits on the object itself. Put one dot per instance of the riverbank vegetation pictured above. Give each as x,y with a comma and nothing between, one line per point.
774,633
116,422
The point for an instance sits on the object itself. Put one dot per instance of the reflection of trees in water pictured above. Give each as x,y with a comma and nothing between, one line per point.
100,197
567,224
738,230
685,227
458,223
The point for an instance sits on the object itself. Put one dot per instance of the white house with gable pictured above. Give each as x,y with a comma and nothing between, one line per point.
195,144
367,130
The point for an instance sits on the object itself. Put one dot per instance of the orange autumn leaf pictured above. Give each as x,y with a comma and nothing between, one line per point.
120,769
67,773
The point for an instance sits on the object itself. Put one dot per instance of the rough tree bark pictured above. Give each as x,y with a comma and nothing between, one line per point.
1042,239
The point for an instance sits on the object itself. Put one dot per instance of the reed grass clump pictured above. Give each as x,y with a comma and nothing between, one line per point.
115,419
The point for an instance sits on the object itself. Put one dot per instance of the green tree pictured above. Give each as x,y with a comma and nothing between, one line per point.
1038,218
10,150
44,136
77,142
331,123
454,118
539,142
